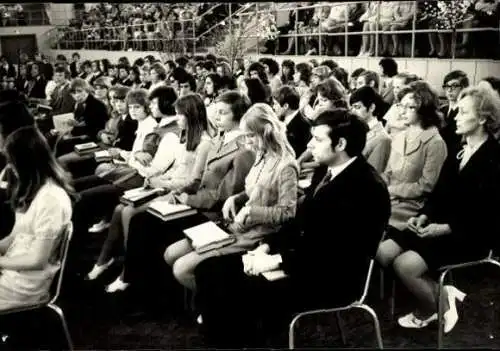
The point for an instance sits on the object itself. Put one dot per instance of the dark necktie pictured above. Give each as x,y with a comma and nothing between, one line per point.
326,179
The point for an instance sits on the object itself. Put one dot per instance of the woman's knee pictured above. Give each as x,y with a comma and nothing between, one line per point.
387,252
184,267
409,265
175,251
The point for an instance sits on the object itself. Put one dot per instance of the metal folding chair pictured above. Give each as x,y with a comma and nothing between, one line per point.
359,304
444,272
50,302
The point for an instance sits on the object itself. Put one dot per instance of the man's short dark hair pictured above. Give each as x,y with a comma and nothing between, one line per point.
366,95
344,124
288,95
459,75
389,66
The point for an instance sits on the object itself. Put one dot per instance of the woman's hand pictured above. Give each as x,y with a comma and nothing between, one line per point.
433,230
229,209
417,223
143,158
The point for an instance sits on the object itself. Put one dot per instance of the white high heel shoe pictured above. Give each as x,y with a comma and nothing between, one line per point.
451,316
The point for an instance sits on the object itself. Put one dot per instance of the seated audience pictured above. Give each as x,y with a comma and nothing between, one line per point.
269,198
233,294
459,221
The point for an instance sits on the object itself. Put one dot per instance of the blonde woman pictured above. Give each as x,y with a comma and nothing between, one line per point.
459,222
268,201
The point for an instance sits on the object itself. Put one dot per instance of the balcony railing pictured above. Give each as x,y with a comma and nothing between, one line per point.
28,17
346,35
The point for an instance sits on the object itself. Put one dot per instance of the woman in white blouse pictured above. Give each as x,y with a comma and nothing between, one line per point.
39,196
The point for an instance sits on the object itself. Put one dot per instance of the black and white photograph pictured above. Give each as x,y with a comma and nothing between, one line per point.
261,175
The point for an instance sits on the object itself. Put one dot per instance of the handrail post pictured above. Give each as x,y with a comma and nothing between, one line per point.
257,23
377,28
296,30
346,27
320,37
413,33
193,21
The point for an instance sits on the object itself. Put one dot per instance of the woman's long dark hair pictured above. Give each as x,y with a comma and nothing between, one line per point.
193,108
32,164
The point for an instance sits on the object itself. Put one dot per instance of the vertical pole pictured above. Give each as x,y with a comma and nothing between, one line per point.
413,29
296,30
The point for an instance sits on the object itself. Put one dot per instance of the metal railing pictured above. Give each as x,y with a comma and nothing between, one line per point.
302,33
352,27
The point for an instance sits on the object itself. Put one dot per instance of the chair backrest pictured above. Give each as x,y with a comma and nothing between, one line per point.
62,254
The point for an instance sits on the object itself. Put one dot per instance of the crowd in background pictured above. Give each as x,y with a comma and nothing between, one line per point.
306,164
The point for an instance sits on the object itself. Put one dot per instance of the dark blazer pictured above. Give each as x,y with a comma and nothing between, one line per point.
448,131
335,233
224,175
94,114
126,133
73,69
298,133
36,87
62,101
467,199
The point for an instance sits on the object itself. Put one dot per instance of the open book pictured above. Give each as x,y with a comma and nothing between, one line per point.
61,122
208,236
166,211
86,147
139,196
102,156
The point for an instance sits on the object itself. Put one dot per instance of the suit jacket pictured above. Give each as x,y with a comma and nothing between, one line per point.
62,101
298,133
94,114
378,147
126,133
36,88
465,199
73,69
225,172
412,173
448,131
336,232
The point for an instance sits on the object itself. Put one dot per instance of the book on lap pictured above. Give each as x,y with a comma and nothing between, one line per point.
61,122
86,147
139,196
274,275
208,236
103,156
167,212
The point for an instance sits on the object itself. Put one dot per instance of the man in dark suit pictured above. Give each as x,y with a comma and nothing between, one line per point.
336,232
90,117
75,65
61,100
453,83
297,128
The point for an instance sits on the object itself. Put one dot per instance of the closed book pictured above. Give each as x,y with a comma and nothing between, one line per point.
168,212
86,147
208,236
274,275
62,122
139,196
103,156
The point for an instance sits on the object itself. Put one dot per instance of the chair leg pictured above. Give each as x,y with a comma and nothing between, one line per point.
291,332
340,326
376,324
392,301
441,310
381,284
60,313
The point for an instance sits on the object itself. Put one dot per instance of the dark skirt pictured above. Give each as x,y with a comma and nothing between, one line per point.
438,251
